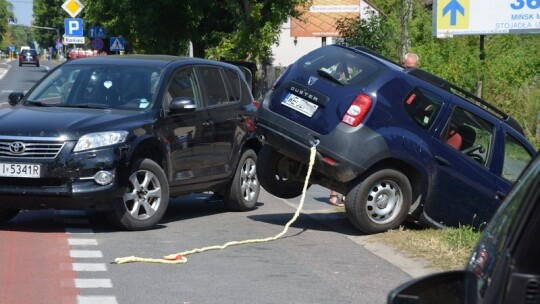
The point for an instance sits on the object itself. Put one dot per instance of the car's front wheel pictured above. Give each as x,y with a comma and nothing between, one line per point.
274,172
243,191
7,214
146,198
380,202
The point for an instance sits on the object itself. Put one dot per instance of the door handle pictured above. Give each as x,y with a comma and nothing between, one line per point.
499,195
443,161
208,123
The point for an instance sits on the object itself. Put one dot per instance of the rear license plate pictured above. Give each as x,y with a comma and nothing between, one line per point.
300,104
20,170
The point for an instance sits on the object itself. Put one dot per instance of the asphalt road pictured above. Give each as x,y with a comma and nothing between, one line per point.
67,257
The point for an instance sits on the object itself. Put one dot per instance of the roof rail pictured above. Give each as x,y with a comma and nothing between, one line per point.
449,87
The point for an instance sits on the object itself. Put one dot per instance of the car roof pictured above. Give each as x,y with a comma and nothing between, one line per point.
159,61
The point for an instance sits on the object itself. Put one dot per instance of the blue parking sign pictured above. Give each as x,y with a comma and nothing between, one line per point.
74,27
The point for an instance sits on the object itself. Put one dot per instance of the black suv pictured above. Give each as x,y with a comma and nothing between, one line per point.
124,133
398,142
29,56
504,265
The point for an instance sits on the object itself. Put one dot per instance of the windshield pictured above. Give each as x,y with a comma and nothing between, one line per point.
97,86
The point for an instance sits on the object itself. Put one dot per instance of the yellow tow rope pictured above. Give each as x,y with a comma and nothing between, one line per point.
180,258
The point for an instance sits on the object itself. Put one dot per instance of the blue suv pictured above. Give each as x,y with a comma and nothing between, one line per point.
401,143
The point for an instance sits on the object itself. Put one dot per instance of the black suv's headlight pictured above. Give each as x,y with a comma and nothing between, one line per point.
101,139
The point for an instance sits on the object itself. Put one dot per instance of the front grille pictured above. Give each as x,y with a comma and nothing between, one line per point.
34,148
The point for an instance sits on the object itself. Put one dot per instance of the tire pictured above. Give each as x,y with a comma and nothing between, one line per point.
7,214
37,64
243,191
391,189
146,198
274,174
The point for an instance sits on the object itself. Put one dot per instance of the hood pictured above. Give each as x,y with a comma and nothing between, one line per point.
68,122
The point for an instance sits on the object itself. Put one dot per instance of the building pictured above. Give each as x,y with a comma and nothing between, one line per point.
298,37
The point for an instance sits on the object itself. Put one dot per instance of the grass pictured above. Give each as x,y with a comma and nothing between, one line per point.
445,249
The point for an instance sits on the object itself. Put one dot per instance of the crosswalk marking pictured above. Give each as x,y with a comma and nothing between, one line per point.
93,283
89,267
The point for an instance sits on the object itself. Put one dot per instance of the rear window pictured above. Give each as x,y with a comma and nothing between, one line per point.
347,66
30,52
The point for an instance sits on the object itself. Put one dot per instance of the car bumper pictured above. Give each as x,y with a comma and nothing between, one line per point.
342,155
67,181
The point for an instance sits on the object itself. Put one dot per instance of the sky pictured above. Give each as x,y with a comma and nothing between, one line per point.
23,11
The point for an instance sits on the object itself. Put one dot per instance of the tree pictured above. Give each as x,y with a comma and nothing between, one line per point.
6,12
367,32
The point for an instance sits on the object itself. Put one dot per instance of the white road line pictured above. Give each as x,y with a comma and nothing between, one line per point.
93,283
79,231
83,242
96,300
85,254
89,267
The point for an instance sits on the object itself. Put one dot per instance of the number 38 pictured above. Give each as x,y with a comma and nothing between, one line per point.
519,4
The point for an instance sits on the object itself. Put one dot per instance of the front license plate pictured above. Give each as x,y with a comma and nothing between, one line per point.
300,104
20,170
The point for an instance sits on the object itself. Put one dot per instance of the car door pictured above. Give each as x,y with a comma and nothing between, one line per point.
189,135
463,188
221,88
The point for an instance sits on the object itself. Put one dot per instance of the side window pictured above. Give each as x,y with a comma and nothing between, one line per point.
233,84
183,84
469,134
213,85
516,158
422,106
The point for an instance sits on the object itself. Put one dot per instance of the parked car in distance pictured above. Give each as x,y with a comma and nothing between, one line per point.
398,142
504,266
29,56
75,53
124,133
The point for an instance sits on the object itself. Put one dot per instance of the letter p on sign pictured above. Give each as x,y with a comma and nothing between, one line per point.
73,27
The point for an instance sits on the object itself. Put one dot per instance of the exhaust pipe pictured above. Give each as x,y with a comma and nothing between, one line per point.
261,138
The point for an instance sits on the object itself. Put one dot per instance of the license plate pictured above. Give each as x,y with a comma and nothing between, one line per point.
20,170
300,104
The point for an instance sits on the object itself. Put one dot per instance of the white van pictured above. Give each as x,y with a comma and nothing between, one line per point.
24,47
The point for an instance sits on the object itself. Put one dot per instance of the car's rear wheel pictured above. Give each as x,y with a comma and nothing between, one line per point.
146,198
7,214
274,173
380,202
37,64
244,188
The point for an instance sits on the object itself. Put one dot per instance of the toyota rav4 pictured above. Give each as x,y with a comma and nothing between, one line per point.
124,133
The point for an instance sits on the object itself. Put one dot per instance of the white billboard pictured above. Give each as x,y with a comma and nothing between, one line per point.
479,17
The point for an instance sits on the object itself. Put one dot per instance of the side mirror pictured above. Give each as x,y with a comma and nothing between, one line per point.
183,105
441,288
14,98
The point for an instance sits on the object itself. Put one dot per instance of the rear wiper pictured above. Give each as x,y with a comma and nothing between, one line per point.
327,75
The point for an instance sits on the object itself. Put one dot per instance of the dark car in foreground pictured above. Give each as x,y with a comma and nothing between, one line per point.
124,133
29,56
504,266
398,142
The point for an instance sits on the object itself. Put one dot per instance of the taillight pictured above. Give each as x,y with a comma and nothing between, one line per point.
256,103
358,110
